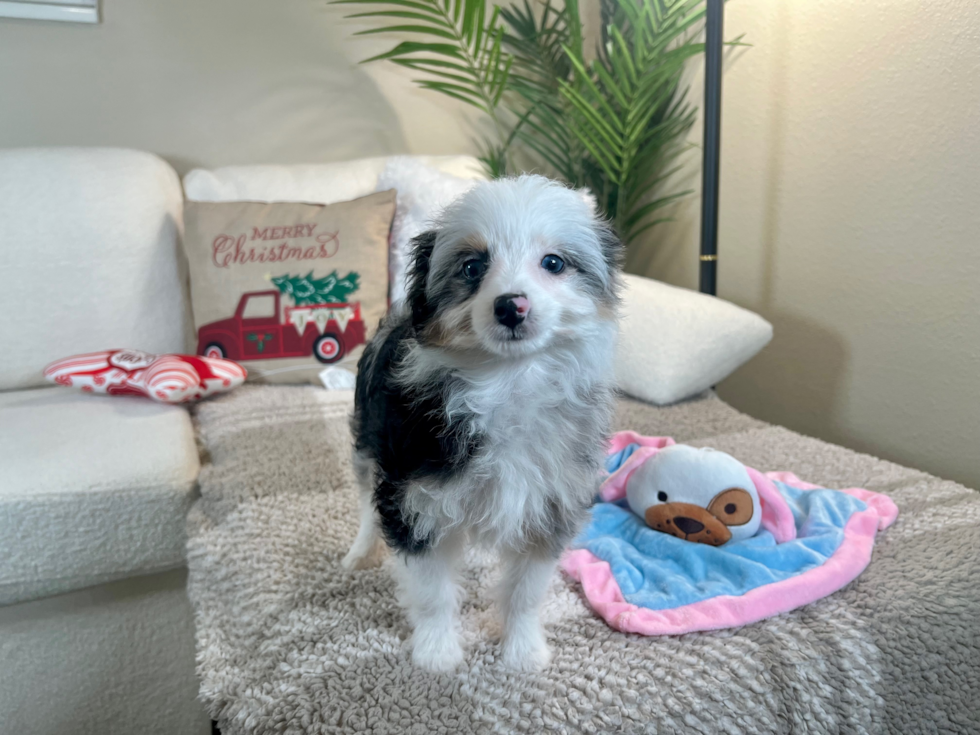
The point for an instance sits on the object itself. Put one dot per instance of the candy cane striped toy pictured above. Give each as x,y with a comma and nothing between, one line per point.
164,378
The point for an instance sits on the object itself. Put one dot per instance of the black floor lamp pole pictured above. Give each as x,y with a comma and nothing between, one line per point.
712,146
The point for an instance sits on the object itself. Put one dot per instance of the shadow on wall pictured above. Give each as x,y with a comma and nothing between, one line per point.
664,251
200,83
796,381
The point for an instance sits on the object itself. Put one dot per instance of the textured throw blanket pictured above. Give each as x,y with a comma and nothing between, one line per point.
289,642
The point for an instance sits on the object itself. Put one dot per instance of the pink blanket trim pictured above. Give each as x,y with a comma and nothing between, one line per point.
726,611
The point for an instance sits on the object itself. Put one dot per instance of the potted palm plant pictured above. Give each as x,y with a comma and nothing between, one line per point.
613,122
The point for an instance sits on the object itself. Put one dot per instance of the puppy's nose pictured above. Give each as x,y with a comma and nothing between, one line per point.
511,309
688,525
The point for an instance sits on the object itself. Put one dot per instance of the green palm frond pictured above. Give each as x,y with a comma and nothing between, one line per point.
456,44
537,42
625,106
615,124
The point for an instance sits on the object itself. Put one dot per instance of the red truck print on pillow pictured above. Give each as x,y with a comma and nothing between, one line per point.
260,330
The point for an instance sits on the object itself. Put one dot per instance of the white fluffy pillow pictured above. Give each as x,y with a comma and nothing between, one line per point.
316,183
423,192
675,343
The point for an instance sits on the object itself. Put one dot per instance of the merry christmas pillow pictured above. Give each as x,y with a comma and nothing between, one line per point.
286,288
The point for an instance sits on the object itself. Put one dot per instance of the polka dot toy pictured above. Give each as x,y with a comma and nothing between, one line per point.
164,378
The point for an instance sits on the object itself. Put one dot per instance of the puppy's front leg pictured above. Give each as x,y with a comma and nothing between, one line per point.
429,592
527,577
367,538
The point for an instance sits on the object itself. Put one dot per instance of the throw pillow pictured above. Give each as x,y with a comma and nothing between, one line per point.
285,288
675,343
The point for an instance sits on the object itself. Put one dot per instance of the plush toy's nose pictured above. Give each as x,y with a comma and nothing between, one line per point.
688,525
687,521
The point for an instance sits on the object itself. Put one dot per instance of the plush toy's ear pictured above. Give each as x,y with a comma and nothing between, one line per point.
614,486
777,518
622,439
418,274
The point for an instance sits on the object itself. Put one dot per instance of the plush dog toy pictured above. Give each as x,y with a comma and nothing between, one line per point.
700,495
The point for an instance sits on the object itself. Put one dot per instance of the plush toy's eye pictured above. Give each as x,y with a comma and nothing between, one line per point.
733,507
662,496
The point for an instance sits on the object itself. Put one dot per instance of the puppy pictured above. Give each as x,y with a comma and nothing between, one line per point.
483,404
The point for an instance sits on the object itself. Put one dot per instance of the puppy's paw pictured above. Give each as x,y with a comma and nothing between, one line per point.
362,556
526,650
354,559
436,651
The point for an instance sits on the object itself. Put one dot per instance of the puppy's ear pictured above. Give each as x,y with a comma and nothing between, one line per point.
613,249
418,274
613,253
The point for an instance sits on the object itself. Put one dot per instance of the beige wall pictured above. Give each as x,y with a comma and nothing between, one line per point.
850,176
850,218
213,82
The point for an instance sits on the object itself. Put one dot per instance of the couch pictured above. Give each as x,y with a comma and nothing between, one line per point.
97,629
289,641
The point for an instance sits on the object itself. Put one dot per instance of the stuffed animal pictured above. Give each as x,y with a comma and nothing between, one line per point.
700,495
164,378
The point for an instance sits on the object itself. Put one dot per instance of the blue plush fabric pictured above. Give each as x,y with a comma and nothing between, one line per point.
615,461
659,571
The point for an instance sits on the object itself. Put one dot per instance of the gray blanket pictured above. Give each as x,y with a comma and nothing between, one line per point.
289,642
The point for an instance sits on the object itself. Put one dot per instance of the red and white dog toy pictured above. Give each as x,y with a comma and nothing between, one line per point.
164,378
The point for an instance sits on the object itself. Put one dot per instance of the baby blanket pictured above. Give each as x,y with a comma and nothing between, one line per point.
812,541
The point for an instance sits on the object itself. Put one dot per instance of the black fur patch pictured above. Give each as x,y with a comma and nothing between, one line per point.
418,273
432,291
405,433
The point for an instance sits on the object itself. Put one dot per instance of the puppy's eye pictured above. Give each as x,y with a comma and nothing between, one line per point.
473,269
552,263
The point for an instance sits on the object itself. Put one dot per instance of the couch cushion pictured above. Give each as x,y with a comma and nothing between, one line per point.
94,488
90,239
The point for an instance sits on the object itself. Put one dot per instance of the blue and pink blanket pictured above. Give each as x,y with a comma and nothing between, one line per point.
812,542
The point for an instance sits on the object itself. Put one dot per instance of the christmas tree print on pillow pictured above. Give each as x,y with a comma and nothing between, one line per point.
306,290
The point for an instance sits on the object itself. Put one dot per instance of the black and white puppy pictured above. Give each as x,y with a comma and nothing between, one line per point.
482,406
